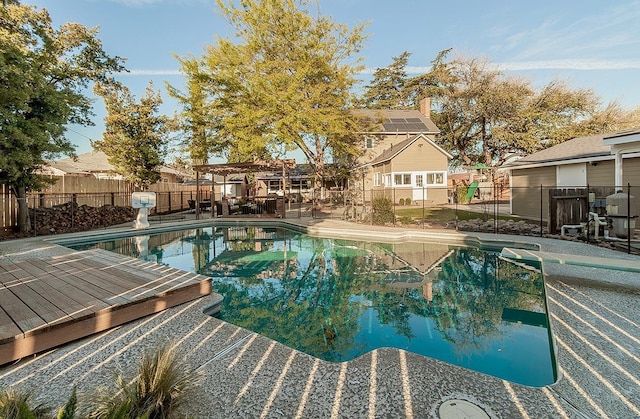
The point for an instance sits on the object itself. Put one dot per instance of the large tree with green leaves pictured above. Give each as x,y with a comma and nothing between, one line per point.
485,116
43,74
136,136
283,83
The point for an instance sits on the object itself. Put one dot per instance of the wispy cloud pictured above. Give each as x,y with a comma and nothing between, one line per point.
576,64
611,32
149,72
139,3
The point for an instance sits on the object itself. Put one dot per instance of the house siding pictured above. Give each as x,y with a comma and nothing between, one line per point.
418,158
602,174
525,191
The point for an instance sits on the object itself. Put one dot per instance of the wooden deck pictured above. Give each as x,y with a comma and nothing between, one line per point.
48,302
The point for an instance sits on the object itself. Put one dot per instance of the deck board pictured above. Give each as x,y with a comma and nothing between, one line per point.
49,301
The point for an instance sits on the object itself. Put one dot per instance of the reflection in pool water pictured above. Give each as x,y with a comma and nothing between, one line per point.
338,299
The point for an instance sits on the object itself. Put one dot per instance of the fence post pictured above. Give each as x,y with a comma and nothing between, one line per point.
589,215
541,210
629,218
423,222
495,208
73,204
393,205
456,199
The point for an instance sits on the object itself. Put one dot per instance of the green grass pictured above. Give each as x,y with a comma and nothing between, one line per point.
444,215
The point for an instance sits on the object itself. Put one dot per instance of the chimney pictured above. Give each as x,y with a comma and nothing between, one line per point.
425,107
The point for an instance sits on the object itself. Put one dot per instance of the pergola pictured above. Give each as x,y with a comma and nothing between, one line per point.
225,169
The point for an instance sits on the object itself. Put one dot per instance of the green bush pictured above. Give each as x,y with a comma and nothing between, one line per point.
461,192
407,201
401,202
382,210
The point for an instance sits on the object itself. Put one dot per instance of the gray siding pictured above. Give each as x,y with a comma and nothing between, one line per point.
525,191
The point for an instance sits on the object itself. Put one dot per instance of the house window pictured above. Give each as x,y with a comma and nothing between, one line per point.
386,180
419,181
402,179
368,143
376,179
436,178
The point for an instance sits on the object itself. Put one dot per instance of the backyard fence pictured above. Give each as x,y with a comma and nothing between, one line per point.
540,210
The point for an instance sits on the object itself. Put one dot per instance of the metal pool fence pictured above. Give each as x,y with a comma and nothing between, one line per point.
538,210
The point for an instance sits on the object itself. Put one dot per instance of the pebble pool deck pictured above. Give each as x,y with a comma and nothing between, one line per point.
594,313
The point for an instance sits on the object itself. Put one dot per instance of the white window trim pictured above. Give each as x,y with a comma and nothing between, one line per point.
402,185
444,178
373,143
376,179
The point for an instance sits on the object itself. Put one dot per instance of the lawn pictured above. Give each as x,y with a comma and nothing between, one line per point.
444,215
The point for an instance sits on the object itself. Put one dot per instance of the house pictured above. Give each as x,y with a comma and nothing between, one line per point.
400,157
96,164
572,164
234,185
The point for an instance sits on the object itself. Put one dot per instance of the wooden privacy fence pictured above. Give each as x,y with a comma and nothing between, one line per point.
166,202
571,206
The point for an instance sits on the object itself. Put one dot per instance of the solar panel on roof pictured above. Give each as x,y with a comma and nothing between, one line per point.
414,120
397,120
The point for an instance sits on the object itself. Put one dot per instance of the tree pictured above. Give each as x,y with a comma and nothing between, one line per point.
197,121
387,88
392,88
135,138
486,117
284,85
43,73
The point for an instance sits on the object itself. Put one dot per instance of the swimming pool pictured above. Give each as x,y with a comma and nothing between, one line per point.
338,299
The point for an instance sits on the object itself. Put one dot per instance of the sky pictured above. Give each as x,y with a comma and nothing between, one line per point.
586,43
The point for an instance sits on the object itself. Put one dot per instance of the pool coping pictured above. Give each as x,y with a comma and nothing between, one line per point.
523,399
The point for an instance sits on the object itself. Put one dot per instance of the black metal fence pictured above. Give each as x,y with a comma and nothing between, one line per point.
573,212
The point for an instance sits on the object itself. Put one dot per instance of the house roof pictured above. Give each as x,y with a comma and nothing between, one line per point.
574,149
624,133
92,162
398,148
392,121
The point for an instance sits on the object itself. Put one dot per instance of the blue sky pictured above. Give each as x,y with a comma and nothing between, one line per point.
589,44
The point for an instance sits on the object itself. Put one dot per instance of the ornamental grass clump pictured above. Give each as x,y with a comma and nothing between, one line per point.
15,404
163,384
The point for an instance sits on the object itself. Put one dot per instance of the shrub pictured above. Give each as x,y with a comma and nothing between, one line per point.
401,202
382,210
461,193
407,201
162,385
15,405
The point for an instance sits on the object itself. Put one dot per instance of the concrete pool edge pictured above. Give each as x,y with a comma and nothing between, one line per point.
526,398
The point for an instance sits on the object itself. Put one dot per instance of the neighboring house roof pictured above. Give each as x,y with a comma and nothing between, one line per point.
237,178
90,163
400,147
570,151
390,121
624,133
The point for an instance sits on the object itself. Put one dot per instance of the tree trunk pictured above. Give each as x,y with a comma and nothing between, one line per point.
24,223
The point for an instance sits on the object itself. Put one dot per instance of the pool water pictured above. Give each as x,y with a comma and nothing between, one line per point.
337,299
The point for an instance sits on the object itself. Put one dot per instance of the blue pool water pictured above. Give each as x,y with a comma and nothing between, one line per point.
338,299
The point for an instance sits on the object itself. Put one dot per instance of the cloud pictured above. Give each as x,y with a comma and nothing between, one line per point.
143,72
570,64
136,3
611,32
